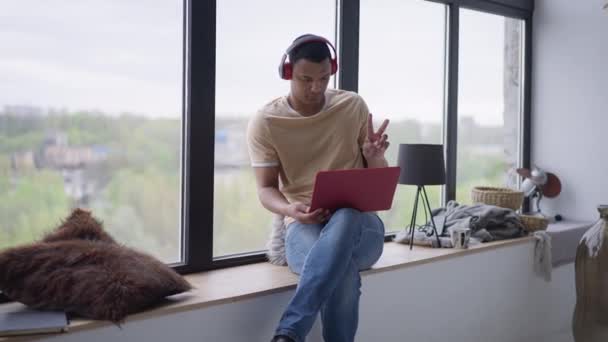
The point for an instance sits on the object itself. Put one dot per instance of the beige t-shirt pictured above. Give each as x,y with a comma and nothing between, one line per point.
301,146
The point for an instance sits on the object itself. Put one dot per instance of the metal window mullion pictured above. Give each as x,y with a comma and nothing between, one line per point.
451,115
348,49
527,107
200,133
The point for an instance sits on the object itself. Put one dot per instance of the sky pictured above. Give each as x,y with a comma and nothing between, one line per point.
126,55
109,55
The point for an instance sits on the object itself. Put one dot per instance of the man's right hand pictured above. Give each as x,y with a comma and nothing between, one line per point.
299,211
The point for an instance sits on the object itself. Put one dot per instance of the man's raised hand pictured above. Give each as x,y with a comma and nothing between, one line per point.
377,141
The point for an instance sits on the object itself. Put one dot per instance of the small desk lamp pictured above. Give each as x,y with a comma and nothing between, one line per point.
421,164
538,183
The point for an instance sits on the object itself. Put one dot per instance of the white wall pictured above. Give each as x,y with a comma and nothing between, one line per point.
570,102
490,296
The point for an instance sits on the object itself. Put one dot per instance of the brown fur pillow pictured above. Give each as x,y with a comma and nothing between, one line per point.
87,274
79,225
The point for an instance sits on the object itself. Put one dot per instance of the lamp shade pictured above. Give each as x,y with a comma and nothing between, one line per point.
421,164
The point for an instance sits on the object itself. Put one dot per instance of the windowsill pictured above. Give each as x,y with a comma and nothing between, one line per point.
243,282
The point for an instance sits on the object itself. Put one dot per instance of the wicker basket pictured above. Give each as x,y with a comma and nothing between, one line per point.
534,223
501,197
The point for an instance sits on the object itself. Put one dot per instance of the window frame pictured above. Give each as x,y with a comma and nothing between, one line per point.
451,129
199,110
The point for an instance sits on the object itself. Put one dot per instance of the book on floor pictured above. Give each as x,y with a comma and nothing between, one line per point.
17,319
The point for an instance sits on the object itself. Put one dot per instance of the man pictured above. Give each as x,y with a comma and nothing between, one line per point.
292,138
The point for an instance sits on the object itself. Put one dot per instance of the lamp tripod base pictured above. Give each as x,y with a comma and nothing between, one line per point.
422,196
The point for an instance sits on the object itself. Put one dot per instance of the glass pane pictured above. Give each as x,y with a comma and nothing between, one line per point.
91,115
489,101
251,39
401,77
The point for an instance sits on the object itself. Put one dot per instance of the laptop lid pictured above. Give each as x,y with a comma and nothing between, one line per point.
361,189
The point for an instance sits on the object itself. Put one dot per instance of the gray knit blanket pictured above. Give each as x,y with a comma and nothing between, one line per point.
487,222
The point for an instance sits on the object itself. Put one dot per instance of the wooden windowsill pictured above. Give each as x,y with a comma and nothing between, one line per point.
243,282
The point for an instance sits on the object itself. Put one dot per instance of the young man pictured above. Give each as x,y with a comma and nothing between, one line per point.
292,138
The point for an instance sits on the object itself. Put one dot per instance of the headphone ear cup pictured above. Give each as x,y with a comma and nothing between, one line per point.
287,71
334,66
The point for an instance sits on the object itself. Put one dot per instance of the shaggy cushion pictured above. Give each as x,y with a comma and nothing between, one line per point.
80,269
79,225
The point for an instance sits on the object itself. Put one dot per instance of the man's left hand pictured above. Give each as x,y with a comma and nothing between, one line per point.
377,142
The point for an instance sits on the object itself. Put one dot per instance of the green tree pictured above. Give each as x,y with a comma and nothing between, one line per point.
31,206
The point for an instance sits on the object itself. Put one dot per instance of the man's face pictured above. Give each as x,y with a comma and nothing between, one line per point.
310,80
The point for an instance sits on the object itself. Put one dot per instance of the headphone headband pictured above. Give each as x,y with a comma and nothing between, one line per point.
286,68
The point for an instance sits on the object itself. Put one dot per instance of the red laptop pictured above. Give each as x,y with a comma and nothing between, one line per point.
361,189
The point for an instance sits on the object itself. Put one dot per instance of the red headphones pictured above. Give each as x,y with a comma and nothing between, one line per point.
286,68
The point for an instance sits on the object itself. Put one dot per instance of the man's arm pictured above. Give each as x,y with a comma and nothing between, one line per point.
267,180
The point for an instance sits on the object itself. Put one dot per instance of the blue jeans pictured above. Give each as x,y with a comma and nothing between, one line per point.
328,258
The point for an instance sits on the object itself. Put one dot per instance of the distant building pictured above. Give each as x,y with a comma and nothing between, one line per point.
72,161
57,154
23,161
67,157
56,139
78,186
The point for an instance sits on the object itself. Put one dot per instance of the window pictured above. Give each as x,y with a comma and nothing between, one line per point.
91,116
94,99
489,101
249,49
401,56
401,77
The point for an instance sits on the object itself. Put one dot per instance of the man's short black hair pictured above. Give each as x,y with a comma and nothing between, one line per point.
313,51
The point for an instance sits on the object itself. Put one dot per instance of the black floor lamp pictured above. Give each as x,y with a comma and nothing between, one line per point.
421,164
